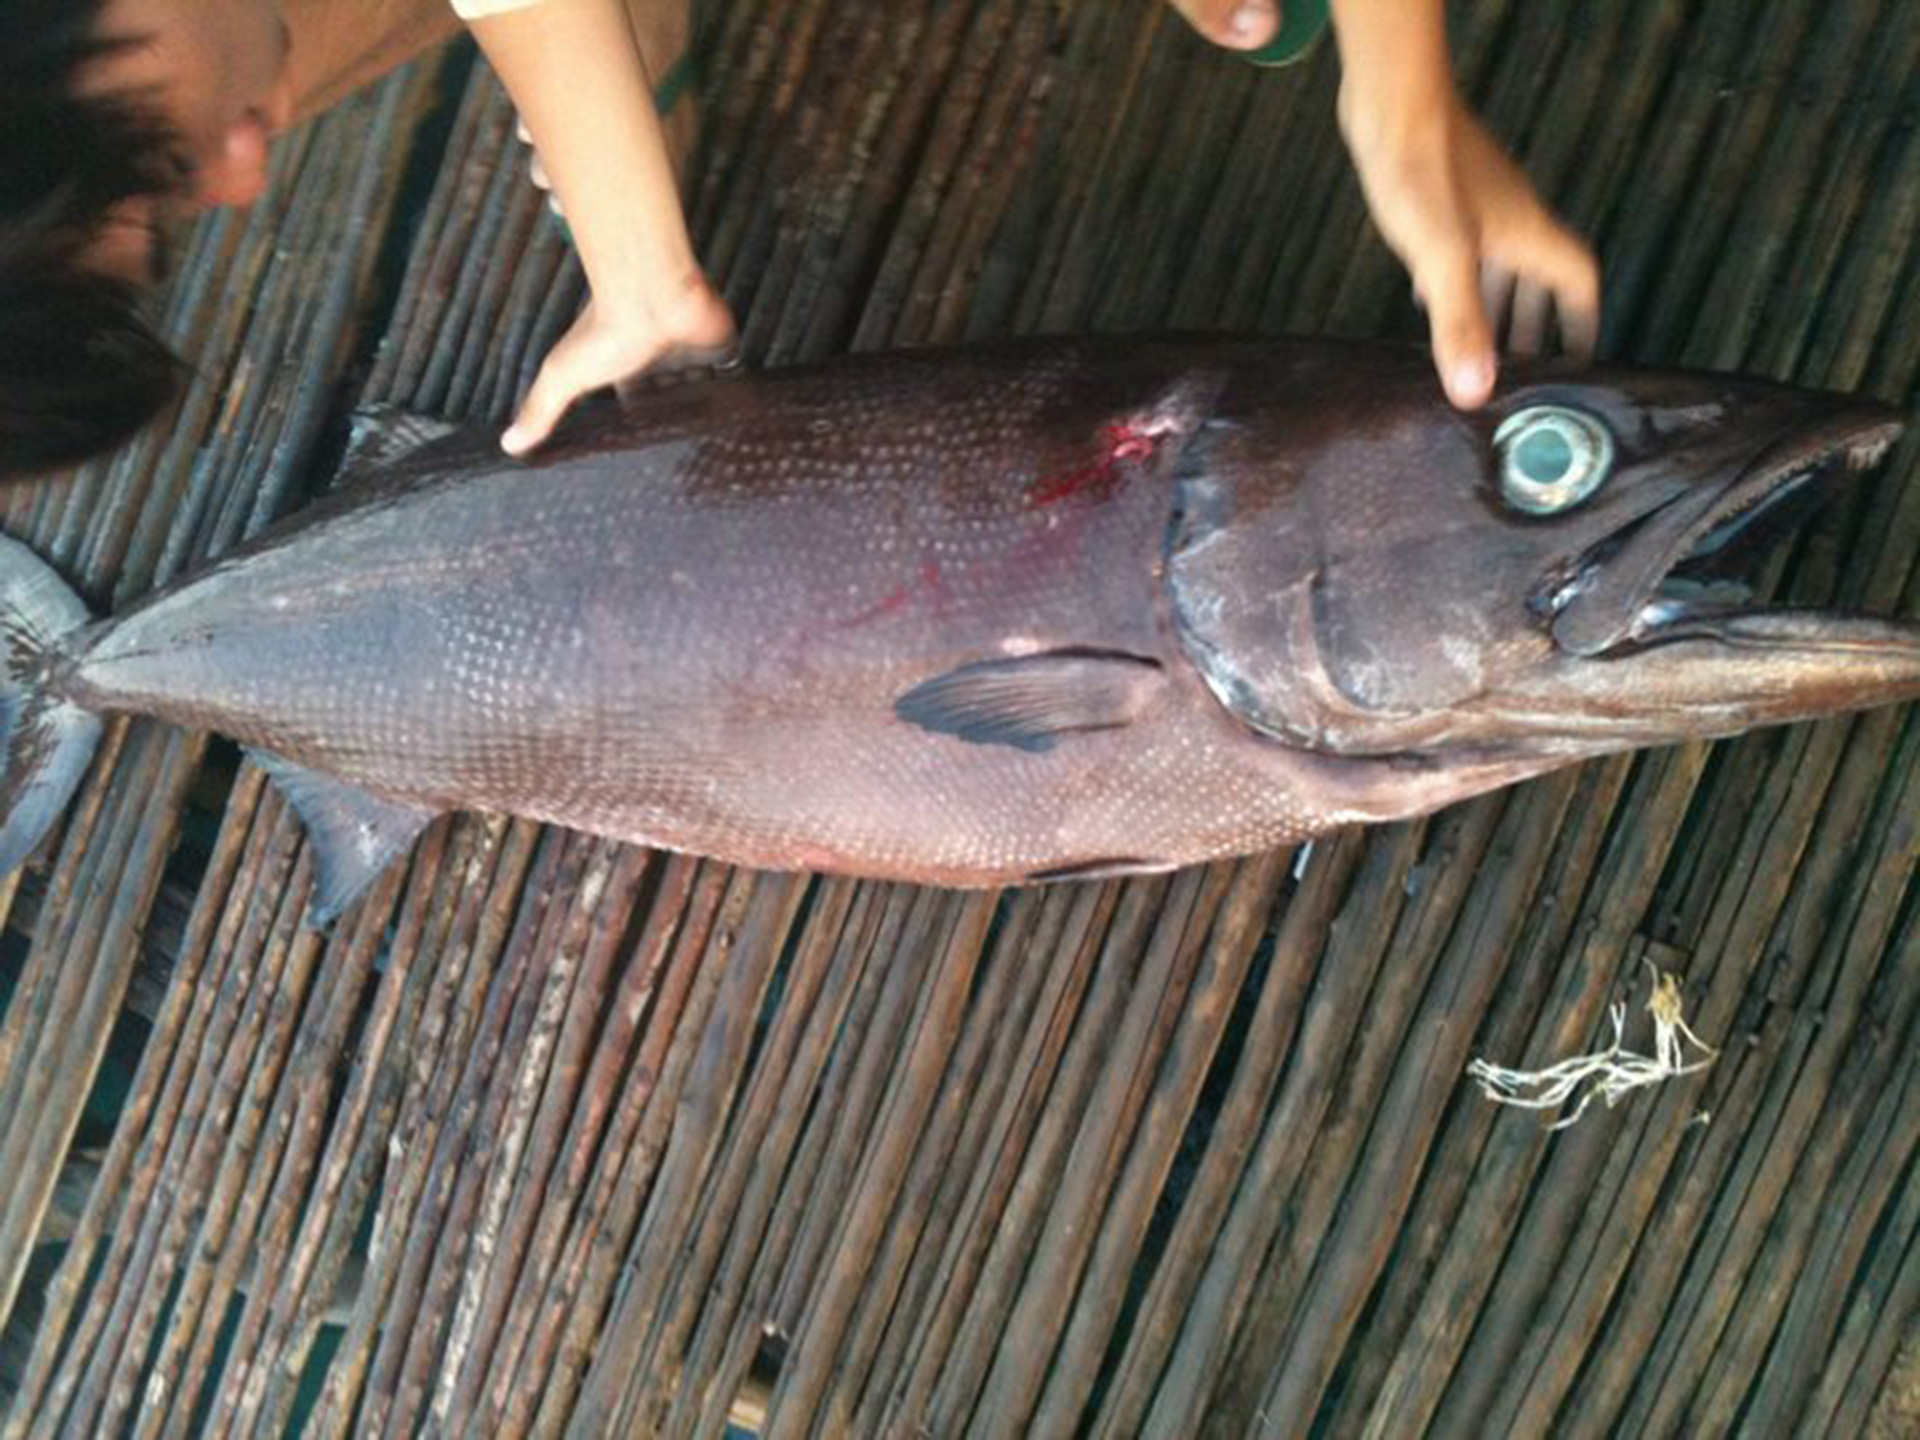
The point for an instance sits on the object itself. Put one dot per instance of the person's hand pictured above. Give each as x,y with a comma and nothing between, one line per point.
579,82
1479,243
614,340
1234,24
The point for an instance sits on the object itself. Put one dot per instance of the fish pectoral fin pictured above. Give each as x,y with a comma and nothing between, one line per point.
355,835
379,436
1031,701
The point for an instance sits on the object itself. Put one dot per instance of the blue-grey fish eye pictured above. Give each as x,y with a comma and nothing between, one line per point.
1551,457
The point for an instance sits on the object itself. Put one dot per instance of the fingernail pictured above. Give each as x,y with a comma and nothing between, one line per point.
1471,381
513,440
1250,22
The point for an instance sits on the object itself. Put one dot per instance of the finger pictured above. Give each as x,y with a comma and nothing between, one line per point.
1527,329
1578,304
1520,233
1580,332
676,364
543,182
1448,278
1496,295
1557,262
1235,24
1561,261
554,390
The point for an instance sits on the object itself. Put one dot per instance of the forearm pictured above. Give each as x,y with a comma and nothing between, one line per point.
577,79
1393,61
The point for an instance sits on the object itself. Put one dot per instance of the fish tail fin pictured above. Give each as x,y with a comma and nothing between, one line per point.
46,742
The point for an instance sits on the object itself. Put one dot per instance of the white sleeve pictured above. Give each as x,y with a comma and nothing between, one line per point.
480,9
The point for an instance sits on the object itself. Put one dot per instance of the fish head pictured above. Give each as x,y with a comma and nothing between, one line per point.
1534,582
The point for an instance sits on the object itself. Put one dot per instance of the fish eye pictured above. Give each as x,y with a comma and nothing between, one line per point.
1551,458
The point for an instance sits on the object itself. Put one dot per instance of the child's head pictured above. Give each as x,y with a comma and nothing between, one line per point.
118,116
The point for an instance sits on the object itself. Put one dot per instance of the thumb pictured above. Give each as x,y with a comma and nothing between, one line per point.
1463,350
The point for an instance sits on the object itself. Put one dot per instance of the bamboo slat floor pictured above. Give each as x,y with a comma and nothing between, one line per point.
553,1135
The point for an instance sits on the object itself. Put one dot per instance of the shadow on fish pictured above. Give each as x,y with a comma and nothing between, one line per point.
1046,610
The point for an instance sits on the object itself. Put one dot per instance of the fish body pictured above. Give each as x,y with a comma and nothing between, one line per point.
983,616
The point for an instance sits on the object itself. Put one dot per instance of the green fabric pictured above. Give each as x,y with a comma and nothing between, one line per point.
1302,23
673,84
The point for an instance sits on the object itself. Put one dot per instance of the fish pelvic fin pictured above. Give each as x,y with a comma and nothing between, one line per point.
355,835
47,741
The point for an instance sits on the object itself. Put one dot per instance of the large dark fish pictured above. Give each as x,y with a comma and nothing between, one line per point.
1055,609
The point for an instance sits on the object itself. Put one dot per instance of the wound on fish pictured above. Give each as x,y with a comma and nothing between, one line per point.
1118,444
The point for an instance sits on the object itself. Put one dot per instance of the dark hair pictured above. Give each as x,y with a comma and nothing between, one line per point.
80,370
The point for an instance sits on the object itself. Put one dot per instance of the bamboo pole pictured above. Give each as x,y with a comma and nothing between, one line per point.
636,1138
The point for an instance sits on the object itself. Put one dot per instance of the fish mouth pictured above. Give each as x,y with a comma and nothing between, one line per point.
1661,578
1645,655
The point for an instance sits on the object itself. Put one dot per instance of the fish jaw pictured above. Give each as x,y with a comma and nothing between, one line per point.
1702,677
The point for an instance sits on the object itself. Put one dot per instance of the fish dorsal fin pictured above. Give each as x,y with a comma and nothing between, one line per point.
381,436
1031,701
355,835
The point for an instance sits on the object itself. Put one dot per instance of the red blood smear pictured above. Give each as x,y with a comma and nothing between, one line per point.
1118,444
